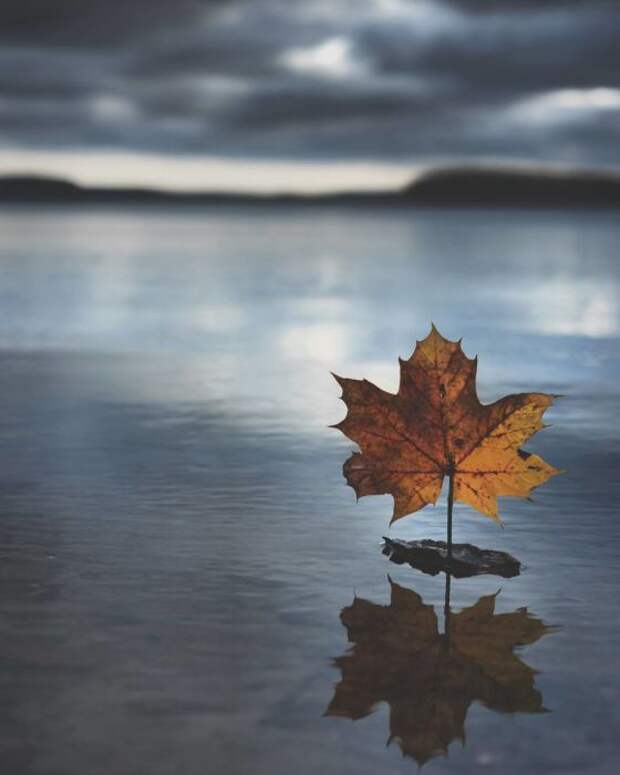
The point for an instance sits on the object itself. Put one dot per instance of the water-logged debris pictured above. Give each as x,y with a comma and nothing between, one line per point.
467,560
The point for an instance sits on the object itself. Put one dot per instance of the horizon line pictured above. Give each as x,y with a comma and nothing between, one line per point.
257,177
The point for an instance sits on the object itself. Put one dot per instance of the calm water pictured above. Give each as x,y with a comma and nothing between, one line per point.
178,542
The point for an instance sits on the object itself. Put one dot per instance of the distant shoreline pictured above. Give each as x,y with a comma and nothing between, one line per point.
456,187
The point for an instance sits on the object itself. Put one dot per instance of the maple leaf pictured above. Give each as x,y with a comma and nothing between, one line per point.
435,426
430,679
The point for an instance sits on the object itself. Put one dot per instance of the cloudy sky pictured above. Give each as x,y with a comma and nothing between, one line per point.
304,94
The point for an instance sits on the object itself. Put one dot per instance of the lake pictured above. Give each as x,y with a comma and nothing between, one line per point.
178,539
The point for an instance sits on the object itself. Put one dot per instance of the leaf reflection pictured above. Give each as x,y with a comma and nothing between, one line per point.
429,679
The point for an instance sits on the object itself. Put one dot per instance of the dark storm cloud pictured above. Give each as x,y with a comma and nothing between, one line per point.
501,6
87,23
516,54
324,78
27,73
244,38
320,105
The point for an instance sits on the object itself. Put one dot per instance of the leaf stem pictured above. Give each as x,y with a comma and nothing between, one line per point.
446,611
450,503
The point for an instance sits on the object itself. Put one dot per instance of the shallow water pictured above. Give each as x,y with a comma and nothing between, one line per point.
178,541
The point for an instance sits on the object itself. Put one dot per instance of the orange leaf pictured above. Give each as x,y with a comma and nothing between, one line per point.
435,426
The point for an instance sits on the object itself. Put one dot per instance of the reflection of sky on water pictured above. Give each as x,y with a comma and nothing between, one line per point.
106,281
278,299
166,419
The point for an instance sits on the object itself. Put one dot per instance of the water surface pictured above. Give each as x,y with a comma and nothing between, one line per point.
178,541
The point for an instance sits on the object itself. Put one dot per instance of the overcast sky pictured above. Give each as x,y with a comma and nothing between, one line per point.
304,94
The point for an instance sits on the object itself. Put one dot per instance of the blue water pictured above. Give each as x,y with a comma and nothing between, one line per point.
178,541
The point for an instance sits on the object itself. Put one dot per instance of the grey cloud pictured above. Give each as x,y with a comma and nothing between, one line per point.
247,41
522,6
87,23
211,77
320,104
506,55
27,73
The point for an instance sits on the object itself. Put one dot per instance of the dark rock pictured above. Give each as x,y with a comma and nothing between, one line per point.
467,560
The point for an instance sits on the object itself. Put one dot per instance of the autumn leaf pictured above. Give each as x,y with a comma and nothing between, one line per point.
429,679
435,426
